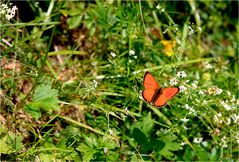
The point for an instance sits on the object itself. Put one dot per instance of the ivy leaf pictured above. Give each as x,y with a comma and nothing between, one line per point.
169,146
43,98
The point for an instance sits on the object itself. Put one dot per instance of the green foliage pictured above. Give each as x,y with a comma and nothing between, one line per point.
95,55
169,146
100,149
44,98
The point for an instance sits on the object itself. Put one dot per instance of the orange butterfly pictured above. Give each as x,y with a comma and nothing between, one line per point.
152,93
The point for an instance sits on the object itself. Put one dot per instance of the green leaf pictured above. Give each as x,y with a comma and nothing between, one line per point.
169,146
4,148
147,124
43,98
33,110
202,154
87,152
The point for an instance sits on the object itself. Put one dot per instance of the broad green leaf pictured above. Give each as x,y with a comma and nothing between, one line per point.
147,124
33,110
169,146
43,98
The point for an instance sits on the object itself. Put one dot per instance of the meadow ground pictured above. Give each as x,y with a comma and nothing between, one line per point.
72,80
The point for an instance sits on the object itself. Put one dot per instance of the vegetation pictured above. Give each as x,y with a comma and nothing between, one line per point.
72,72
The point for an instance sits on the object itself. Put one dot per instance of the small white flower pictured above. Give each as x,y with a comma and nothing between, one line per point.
111,131
191,30
183,143
181,74
195,84
131,52
184,127
224,143
130,61
184,120
187,107
228,122
14,8
201,92
206,65
197,140
160,8
95,83
9,16
135,57
225,105
217,118
235,118
112,54
218,91
182,88
173,82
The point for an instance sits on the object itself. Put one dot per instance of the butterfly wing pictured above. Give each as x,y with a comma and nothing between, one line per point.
150,87
164,95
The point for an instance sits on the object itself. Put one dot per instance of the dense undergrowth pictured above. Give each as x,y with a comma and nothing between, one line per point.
72,72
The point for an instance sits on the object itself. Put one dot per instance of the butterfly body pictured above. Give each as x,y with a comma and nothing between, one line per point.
154,94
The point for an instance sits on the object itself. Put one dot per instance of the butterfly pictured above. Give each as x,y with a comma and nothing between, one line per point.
154,94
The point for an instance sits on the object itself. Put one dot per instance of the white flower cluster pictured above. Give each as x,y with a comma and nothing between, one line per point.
7,12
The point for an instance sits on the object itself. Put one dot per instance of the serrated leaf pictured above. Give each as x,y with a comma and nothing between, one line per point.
43,98
87,152
169,146
4,148
33,110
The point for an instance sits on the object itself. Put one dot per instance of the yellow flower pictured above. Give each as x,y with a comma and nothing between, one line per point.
168,46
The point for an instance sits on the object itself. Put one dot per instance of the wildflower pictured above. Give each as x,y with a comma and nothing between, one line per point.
195,84
131,52
217,118
187,107
235,118
95,83
206,76
191,30
160,8
214,90
8,12
181,74
201,92
184,127
168,46
207,65
225,105
112,54
218,91
224,143
182,88
110,131
173,82
130,61
184,120
183,143
197,140
228,122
